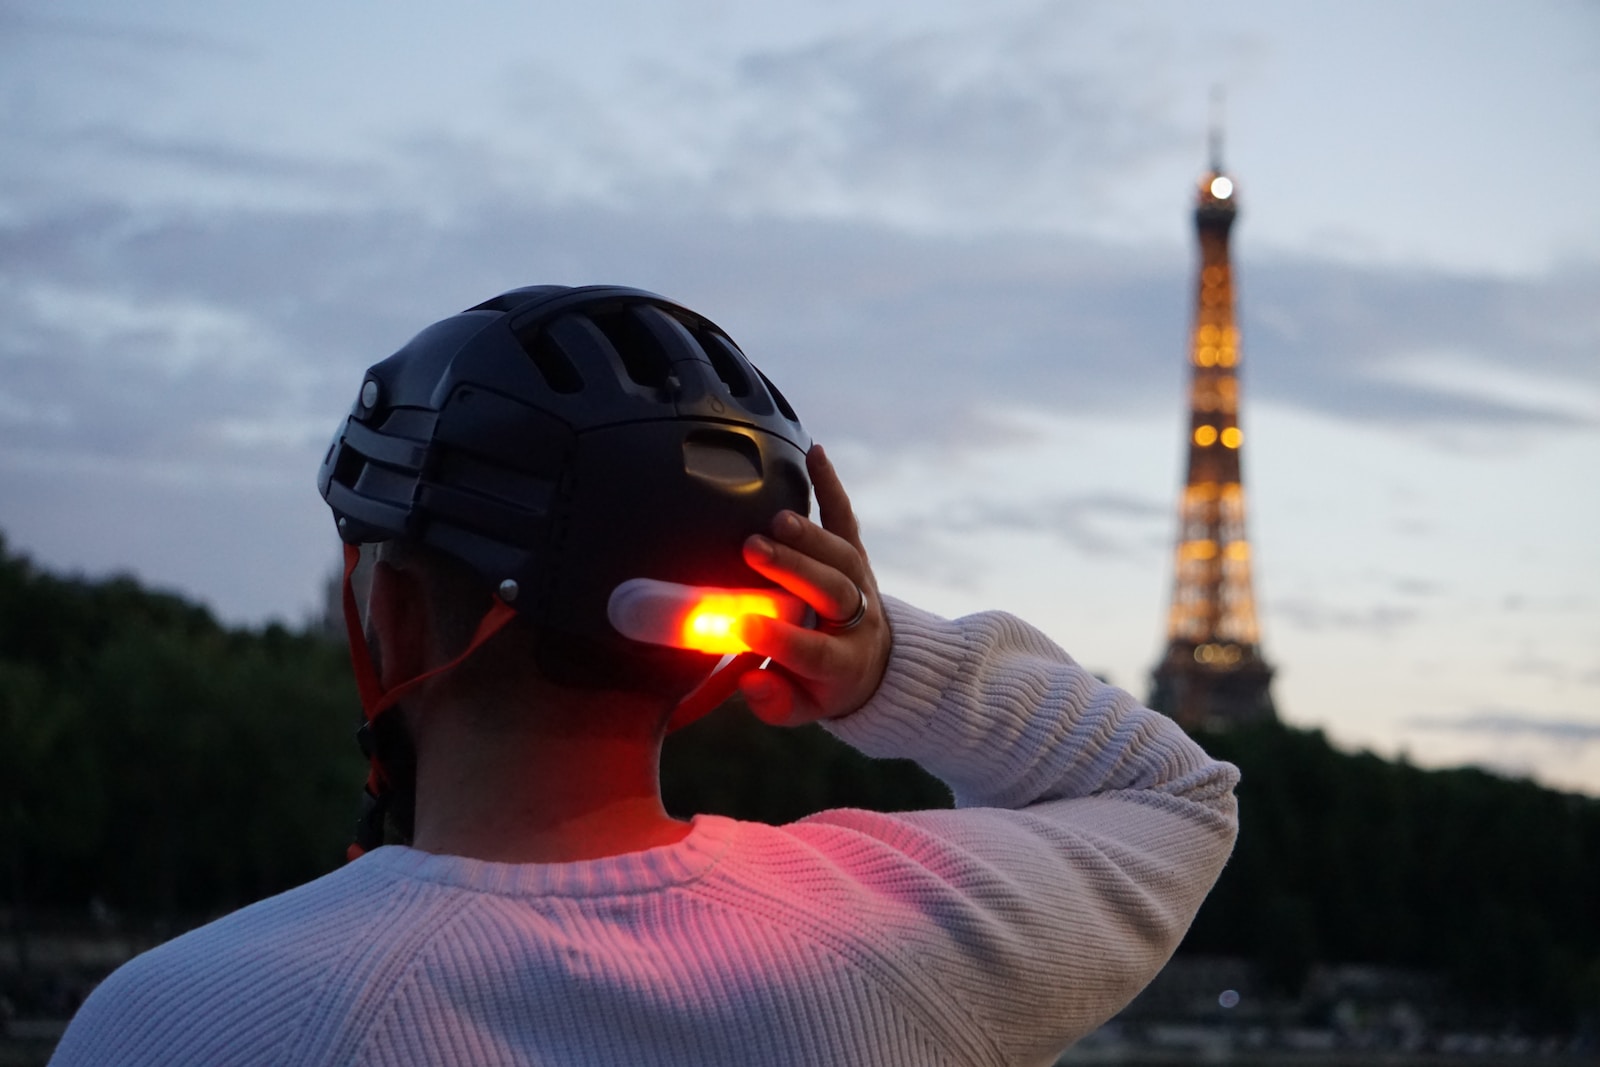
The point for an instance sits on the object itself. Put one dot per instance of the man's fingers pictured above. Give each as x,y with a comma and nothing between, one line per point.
806,537
816,674
771,697
830,591
833,503
807,654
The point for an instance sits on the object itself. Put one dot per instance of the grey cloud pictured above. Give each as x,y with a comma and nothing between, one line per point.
1061,321
880,332
1570,604
835,313
1417,587
1538,666
1508,724
914,546
203,157
933,122
17,25
1023,120
1102,525
1314,616
253,547
879,336
110,400
1320,335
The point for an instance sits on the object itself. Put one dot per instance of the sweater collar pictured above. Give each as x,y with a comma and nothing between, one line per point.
631,872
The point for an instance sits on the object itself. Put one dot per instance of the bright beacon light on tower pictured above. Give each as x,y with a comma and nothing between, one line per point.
1221,187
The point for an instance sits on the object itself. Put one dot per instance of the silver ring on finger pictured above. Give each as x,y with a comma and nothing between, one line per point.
838,627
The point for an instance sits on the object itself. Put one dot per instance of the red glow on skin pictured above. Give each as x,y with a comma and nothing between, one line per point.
712,625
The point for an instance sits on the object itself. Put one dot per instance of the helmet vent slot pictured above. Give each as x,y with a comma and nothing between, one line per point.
726,361
643,355
384,484
348,467
552,363
728,460
413,423
779,399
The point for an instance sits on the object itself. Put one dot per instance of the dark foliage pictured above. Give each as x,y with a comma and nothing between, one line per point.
1346,858
731,764
156,762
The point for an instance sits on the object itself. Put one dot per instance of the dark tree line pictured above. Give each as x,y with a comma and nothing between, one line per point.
158,765
1493,883
157,762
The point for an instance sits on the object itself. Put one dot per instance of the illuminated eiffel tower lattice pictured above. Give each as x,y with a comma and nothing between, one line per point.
1212,674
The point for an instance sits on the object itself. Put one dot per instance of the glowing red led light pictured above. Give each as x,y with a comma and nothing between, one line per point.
693,617
712,624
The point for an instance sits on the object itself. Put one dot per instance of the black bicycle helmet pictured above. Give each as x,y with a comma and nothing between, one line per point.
560,441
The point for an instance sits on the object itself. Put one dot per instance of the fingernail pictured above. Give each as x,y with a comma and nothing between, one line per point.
788,523
760,546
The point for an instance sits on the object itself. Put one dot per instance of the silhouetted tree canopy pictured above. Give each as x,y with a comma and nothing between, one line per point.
1342,858
157,761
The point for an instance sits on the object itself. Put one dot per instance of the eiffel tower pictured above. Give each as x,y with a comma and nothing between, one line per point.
1212,674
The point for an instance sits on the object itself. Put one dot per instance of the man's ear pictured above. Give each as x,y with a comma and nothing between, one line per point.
398,624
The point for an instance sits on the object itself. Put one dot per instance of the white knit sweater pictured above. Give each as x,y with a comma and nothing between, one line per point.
1088,832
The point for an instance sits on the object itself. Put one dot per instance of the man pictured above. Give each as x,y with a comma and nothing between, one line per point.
557,481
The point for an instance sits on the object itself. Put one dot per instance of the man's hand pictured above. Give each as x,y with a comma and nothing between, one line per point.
826,672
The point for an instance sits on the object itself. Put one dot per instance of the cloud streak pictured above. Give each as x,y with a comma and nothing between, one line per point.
1313,616
1094,525
122,319
16,23
1505,724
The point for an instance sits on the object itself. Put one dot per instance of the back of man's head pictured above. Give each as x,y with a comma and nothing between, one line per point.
546,446
559,442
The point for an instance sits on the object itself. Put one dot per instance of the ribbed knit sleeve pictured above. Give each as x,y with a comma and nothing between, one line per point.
1006,718
1089,833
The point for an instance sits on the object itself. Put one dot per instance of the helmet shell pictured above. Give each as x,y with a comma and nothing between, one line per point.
567,440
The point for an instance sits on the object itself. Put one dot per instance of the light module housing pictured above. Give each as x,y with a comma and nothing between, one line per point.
699,618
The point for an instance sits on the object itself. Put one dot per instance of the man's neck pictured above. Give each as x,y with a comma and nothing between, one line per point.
529,797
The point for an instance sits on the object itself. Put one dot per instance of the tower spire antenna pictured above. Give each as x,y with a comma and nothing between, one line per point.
1215,128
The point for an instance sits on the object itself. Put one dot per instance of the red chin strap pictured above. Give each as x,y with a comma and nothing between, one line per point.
709,694
375,700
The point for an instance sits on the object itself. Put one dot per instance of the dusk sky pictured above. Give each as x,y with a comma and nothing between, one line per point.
958,235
